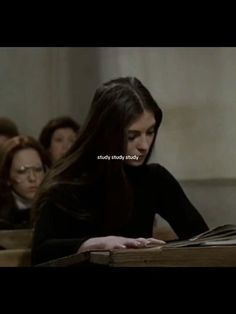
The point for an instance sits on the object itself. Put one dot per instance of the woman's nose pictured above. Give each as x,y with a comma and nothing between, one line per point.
31,175
143,144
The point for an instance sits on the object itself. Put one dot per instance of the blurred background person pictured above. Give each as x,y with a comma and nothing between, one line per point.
8,129
23,164
58,135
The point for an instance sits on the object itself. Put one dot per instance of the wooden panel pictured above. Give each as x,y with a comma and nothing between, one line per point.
16,239
15,258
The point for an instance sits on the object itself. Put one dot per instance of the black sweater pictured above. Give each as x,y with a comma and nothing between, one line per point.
63,226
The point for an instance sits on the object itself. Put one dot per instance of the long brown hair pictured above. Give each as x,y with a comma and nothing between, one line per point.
115,105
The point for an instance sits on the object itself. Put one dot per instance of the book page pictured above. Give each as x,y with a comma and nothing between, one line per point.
222,235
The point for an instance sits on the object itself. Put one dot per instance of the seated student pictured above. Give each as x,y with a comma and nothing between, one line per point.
22,168
8,129
104,195
58,135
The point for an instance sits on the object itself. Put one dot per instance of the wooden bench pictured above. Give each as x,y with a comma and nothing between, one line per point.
15,247
16,239
15,257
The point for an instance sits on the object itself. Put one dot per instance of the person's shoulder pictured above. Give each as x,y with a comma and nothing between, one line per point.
157,171
160,173
157,168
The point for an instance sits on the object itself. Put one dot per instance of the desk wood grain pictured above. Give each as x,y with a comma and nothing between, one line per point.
167,257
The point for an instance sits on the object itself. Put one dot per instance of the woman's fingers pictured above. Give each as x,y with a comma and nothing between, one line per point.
132,243
153,241
150,241
114,242
142,242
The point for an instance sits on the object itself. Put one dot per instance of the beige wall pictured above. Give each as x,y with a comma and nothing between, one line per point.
37,84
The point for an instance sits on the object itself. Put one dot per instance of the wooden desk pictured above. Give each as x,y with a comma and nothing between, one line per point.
154,257
168,257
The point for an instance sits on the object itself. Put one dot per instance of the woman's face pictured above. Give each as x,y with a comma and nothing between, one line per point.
61,142
140,137
26,172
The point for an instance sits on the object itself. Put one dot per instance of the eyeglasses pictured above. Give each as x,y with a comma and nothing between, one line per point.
25,172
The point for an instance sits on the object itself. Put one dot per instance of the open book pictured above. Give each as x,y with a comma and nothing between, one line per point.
220,236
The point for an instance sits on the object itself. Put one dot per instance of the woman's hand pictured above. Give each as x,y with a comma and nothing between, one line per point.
150,242
115,242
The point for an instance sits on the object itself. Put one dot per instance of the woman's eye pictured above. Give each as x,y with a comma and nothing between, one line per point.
58,140
131,137
151,132
38,169
21,171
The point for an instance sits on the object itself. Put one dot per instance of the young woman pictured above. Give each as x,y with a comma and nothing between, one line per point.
103,195
58,135
22,168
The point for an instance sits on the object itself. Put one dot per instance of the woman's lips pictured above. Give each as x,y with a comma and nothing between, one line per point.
33,189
